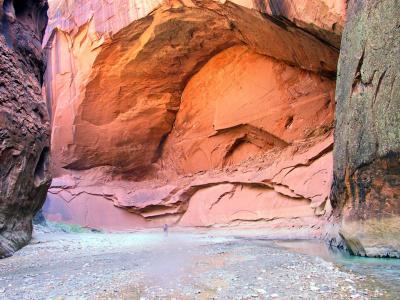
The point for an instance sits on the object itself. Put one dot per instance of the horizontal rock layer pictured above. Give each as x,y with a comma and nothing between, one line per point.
292,191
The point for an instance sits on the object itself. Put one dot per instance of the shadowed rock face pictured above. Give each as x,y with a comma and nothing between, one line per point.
24,122
323,18
191,113
366,189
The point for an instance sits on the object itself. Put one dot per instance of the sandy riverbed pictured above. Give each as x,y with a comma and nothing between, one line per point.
196,265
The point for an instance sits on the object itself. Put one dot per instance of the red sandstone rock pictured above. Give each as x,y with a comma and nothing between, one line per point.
197,114
256,185
111,108
241,104
323,18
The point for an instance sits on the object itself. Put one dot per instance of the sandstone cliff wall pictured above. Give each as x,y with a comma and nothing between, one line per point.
24,121
366,190
192,113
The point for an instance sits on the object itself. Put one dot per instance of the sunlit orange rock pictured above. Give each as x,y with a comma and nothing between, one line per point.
241,104
189,113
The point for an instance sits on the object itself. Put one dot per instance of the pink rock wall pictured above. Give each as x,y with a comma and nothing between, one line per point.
190,113
242,103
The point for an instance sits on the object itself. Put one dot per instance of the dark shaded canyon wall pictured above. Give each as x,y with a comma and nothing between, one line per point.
191,113
366,189
24,121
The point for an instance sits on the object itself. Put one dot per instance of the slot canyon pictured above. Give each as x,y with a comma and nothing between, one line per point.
241,119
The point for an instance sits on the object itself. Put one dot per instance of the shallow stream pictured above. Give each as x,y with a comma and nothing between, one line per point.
386,271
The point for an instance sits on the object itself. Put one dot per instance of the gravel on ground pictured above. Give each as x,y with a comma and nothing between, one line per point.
183,265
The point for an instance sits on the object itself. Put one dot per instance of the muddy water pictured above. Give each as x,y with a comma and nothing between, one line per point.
385,271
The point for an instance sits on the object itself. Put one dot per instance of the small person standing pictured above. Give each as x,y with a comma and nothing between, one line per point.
165,229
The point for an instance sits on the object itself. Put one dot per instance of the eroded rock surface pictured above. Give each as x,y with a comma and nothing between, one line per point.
366,189
241,104
278,189
24,121
190,113
322,18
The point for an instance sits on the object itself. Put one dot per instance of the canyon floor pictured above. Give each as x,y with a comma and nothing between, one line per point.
142,265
